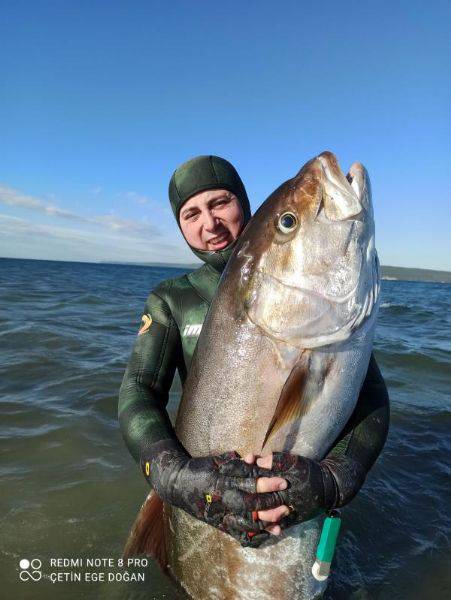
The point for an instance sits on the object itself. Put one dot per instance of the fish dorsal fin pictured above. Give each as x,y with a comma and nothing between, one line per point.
294,401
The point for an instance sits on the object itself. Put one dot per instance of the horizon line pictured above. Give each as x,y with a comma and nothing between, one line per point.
174,265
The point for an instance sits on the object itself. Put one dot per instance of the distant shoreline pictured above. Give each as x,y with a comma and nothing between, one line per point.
388,273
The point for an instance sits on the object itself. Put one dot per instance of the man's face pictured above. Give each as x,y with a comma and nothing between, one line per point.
211,220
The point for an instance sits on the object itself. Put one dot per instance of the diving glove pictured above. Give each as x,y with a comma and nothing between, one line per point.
314,487
219,490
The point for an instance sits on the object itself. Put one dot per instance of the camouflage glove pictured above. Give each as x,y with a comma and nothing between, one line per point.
248,531
314,487
219,490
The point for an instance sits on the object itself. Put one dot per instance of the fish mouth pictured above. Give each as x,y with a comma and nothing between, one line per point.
344,196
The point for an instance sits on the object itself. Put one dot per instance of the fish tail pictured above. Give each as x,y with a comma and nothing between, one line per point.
147,533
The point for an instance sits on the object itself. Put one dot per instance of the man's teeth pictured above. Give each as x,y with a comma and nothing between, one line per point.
219,239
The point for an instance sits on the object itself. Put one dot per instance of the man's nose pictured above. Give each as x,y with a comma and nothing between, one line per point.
209,221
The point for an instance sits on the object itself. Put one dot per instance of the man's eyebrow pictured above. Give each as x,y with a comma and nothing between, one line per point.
226,195
188,210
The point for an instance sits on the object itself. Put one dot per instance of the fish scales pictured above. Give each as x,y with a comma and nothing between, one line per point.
278,367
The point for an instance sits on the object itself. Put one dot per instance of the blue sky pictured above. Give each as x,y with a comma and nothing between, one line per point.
101,100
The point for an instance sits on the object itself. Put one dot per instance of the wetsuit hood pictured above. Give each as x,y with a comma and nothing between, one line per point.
207,173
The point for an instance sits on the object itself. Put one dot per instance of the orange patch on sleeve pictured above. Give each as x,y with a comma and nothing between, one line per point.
146,323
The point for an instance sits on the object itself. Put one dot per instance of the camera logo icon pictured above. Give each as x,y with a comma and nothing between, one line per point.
30,569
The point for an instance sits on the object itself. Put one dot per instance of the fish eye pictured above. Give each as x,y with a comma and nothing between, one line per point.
287,222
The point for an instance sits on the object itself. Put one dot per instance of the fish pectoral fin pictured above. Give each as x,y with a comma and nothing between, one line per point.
147,533
294,401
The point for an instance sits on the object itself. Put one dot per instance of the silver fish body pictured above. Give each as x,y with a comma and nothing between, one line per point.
278,367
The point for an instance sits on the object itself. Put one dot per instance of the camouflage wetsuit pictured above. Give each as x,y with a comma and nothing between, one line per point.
172,321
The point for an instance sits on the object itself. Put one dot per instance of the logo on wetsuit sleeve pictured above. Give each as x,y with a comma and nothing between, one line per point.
146,323
192,330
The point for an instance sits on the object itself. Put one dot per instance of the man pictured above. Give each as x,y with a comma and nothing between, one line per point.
252,501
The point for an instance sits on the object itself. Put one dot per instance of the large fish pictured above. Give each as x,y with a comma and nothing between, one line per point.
278,367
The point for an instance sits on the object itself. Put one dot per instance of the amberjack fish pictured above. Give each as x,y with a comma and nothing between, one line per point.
279,365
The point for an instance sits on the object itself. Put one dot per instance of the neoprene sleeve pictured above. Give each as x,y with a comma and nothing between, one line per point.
145,387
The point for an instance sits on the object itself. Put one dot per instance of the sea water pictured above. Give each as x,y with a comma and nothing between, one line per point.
70,489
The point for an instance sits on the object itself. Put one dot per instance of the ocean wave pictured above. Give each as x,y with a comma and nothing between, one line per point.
415,312
393,304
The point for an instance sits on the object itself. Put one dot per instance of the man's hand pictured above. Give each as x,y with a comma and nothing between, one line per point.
312,486
219,490
272,516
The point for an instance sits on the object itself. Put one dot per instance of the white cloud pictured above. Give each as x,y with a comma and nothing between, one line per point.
128,226
68,235
16,198
13,197
137,198
23,239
